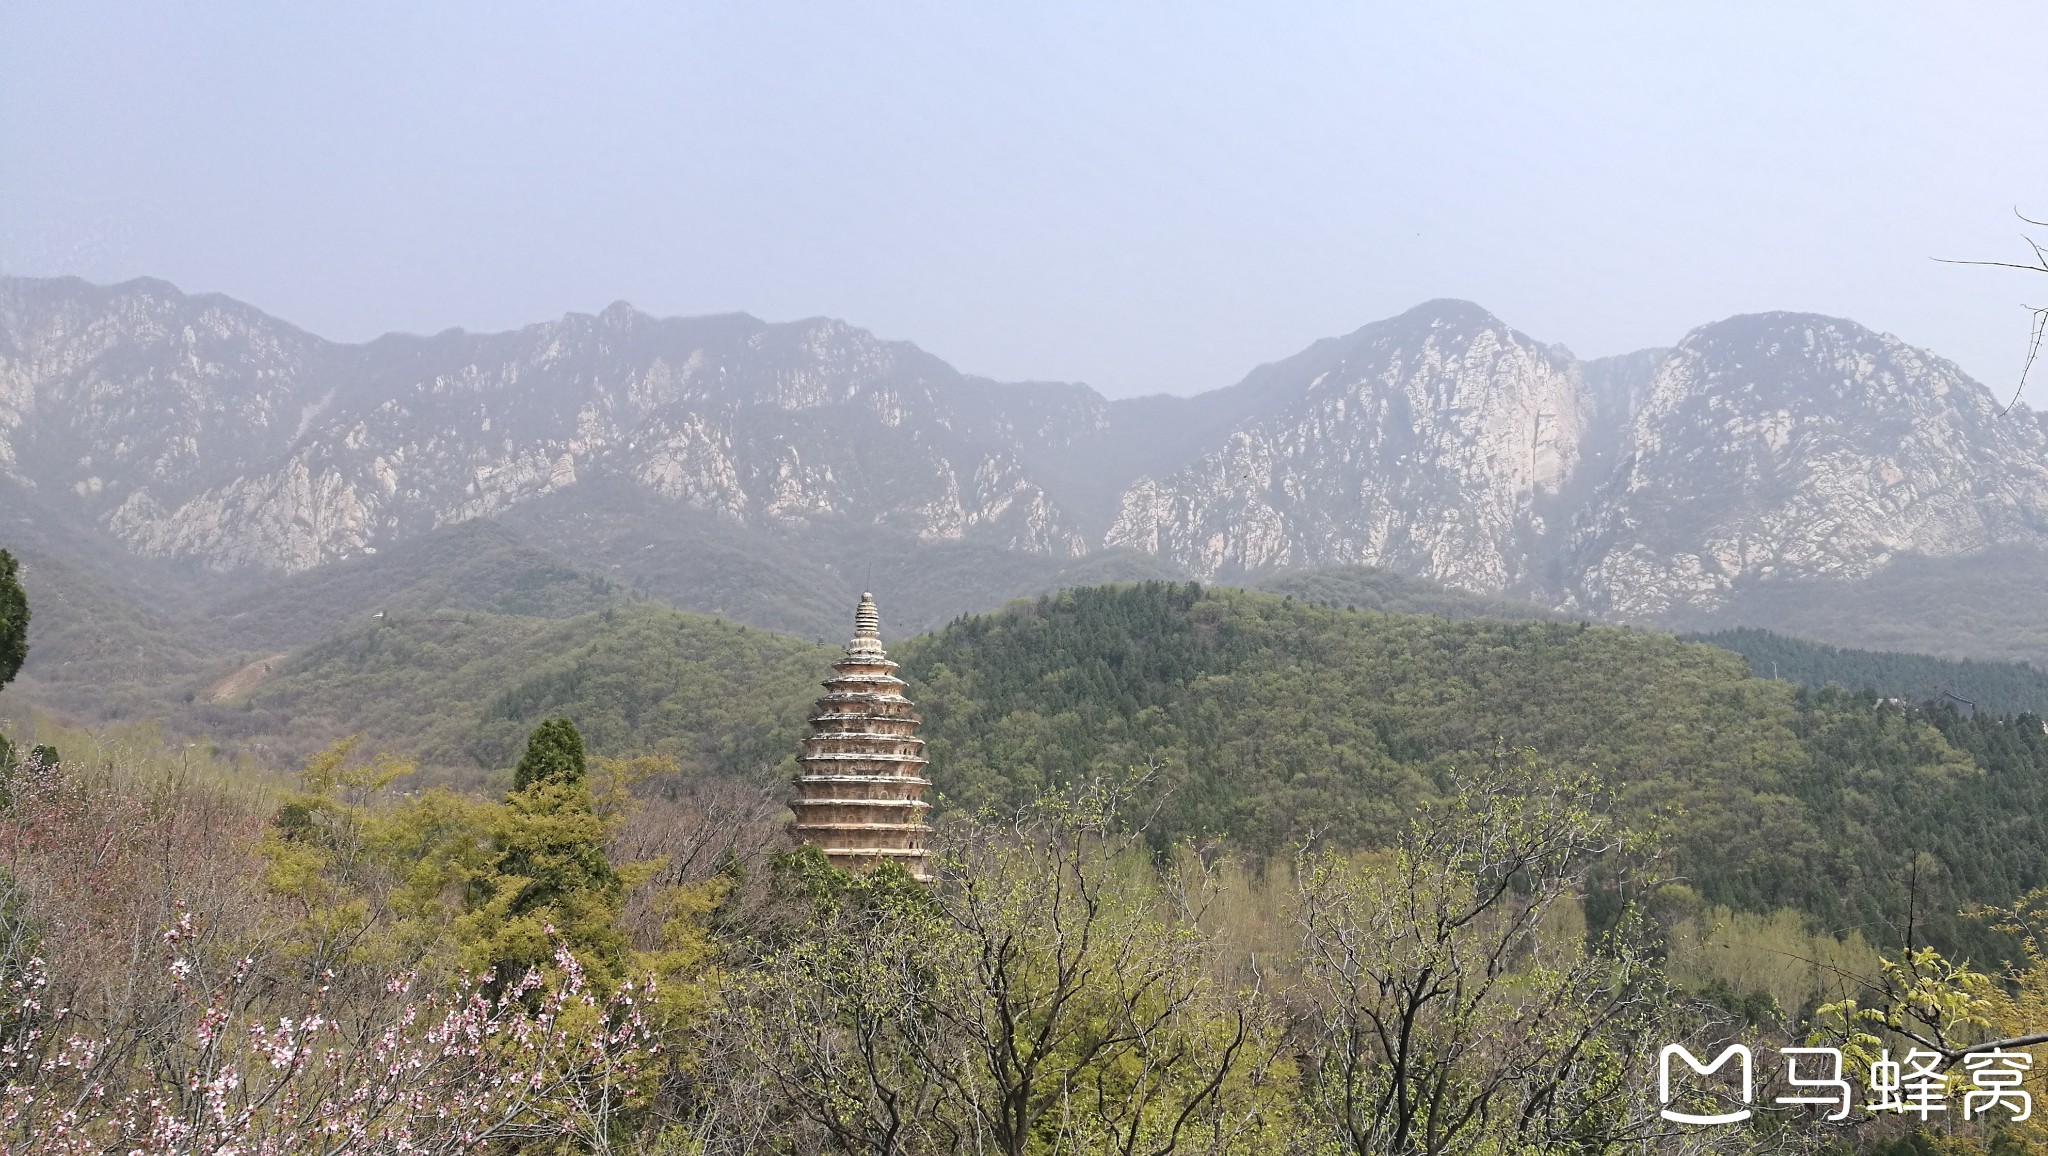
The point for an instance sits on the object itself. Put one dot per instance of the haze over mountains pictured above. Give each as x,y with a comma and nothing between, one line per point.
1769,469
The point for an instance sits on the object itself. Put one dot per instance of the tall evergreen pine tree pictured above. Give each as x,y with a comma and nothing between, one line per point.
552,882
554,753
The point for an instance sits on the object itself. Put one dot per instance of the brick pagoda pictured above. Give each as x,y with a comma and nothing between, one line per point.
863,764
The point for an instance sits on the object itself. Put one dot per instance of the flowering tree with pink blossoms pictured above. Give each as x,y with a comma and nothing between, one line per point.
544,1059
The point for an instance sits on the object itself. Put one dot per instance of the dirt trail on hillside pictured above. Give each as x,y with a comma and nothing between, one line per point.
240,682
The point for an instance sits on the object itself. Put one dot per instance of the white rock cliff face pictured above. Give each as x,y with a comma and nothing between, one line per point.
104,392
190,431
1419,444
1440,443
1786,445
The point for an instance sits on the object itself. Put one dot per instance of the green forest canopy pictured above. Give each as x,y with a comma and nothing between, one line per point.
460,691
1275,721
1279,720
1999,687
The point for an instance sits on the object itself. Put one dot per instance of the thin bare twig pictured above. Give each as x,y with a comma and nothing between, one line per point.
2040,326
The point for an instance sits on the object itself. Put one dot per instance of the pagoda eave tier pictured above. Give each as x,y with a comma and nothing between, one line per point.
887,779
864,828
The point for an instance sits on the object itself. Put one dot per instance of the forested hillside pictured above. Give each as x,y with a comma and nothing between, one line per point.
1991,605
1277,718
798,579
477,565
1374,588
1278,721
152,638
457,690
1273,721
1999,687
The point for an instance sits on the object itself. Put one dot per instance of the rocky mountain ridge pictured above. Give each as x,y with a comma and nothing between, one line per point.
1421,444
1782,445
1441,443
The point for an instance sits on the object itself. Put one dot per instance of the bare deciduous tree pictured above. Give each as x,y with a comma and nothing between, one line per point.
1054,993
1447,990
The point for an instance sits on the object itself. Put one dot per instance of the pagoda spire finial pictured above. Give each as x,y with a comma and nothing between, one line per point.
867,628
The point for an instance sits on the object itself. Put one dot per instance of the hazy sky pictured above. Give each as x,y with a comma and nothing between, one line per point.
1144,197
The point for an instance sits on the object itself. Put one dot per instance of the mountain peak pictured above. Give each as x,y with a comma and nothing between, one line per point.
1796,357
155,286
1453,311
1756,326
1448,317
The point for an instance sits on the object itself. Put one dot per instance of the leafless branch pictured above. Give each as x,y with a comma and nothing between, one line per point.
2040,325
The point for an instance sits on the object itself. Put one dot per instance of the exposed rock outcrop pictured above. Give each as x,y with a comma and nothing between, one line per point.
1788,445
1419,444
1441,443
196,428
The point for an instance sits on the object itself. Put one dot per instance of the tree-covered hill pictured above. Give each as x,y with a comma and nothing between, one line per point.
119,638
1999,687
799,579
459,690
1374,588
98,652
1279,720
1278,717
104,650
476,565
1274,719
1991,605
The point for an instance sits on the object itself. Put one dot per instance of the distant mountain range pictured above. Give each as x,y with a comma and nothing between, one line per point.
201,449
